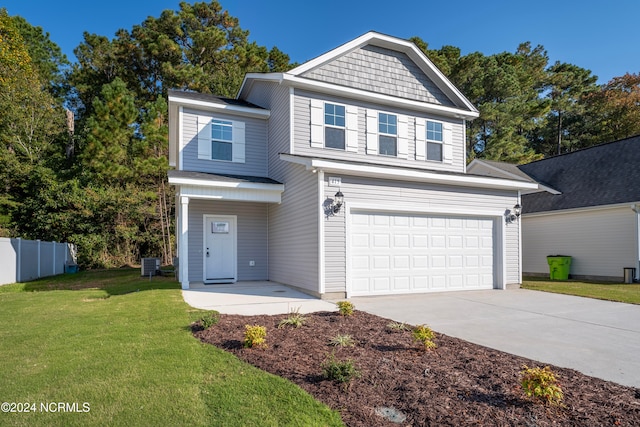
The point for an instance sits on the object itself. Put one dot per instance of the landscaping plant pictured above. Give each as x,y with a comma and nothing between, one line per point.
398,327
346,308
209,319
342,341
424,335
339,371
294,319
255,336
541,384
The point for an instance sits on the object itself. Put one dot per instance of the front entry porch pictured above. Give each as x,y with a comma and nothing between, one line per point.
249,298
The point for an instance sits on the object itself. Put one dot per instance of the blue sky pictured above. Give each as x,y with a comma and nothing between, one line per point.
598,35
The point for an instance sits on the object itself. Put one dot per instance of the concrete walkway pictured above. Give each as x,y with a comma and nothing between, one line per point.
249,298
597,338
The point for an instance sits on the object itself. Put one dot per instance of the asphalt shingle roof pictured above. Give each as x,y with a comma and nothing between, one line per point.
211,98
600,175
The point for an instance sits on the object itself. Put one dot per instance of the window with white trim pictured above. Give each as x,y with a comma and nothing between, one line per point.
387,134
435,140
221,140
334,126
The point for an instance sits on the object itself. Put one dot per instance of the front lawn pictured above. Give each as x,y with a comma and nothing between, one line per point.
629,293
122,344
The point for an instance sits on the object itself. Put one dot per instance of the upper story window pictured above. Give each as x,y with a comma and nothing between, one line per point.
435,141
333,125
387,134
334,129
221,140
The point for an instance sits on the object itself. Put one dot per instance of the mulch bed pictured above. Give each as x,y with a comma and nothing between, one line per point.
458,383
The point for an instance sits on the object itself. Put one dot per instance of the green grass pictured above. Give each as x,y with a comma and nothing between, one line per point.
629,293
123,344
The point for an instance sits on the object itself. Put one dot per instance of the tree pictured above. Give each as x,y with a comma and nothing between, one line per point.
615,108
566,87
46,57
31,123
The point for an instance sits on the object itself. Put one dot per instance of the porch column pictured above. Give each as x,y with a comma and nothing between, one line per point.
183,249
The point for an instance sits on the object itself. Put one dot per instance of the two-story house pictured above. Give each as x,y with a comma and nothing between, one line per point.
344,176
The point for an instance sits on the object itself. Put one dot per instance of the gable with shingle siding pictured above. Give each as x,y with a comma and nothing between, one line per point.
383,71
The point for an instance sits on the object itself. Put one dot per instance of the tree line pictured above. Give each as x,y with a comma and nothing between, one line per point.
84,145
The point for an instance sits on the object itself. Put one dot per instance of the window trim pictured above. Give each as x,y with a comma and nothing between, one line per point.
394,135
226,123
325,125
205,139
428,141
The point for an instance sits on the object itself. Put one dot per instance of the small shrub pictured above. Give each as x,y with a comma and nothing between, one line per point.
255,336
541,384
342,341
294,319
339,371
424,335
398,327
209,319
346,308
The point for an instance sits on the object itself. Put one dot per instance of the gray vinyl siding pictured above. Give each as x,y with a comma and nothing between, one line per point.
293,223
376,193
335,244
380,70
293,230
255,146
601,242
302,136
275,97
512,240
252,235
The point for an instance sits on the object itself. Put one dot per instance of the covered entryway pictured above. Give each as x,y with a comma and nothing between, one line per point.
393,253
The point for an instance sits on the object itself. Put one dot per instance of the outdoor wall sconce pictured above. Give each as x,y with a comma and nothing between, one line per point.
514,214
337,202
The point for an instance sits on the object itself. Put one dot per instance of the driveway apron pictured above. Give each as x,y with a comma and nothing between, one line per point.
597,338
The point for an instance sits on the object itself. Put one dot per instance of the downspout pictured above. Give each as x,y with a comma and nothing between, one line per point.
636,209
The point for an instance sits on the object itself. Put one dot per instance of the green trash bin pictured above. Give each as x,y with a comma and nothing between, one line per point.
559,266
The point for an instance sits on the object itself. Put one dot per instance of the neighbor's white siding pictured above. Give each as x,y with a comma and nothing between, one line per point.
252,236
601,242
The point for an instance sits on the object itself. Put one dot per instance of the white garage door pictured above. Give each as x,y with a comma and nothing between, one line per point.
397,253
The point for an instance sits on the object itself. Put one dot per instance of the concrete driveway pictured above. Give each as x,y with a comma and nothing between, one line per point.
597,338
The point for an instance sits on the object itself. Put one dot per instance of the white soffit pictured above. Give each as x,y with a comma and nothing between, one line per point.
401,174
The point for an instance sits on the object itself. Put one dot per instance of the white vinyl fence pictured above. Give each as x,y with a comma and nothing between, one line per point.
25,260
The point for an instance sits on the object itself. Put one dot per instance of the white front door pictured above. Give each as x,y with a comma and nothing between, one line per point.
220,253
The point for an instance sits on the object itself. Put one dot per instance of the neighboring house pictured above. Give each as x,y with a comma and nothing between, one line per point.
588,207
344,176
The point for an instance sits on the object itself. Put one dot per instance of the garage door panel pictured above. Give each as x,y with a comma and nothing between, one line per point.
402,283
438,241
398,253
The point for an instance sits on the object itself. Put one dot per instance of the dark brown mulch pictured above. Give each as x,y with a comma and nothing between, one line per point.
459,383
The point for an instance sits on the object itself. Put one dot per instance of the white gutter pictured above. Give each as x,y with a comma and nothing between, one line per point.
402,174
215,106
225,184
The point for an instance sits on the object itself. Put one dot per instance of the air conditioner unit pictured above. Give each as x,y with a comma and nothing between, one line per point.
150,266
